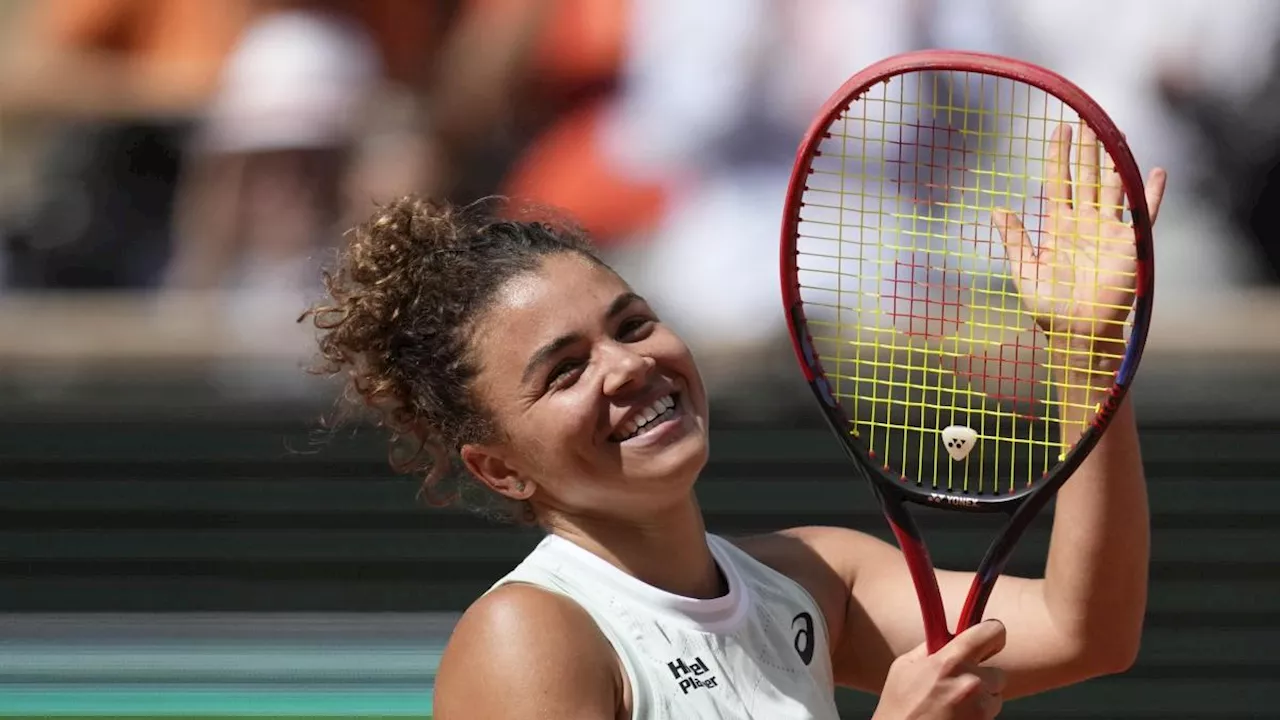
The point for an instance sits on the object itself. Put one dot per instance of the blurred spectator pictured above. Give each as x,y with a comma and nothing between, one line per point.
1233,114
267,161
267,190
521,88
118,82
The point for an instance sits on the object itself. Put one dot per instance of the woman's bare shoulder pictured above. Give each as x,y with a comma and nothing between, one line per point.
522,651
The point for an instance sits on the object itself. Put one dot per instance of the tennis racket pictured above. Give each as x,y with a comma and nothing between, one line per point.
966,270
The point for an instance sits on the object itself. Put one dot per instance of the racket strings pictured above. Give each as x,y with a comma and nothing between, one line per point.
921,319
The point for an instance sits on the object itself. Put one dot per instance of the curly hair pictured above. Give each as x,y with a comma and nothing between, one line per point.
402,302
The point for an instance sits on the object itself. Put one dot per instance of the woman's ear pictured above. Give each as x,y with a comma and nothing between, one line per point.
488,466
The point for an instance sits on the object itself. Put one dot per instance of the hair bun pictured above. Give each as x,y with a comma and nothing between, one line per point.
406,288
400,234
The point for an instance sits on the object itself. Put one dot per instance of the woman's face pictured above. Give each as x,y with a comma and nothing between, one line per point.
599,406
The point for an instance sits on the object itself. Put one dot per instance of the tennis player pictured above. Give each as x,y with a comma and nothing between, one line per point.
510,359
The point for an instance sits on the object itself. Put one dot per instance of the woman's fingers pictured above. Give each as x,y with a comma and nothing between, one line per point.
1087,183
1111,201
1017,245
1155,192
1058,171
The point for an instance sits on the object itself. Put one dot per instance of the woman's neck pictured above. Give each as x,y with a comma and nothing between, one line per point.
668,550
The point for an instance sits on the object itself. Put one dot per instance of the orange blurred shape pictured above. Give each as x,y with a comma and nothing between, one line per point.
566,168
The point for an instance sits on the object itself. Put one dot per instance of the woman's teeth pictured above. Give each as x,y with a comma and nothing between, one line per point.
661,410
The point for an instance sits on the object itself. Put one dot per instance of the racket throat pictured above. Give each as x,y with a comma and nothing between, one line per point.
993,563
976,602
923,576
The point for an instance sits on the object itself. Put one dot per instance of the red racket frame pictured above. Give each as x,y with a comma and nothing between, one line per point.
1024,505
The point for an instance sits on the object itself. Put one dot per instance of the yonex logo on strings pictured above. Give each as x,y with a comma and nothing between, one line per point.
690,674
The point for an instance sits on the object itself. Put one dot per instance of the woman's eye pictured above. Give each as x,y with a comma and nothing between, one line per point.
563,373
635,328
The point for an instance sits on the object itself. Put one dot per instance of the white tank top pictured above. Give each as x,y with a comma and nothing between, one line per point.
759,651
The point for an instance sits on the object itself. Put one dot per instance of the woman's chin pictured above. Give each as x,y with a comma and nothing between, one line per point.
677,462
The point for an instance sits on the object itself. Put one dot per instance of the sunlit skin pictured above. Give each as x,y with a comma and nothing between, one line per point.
1083,270
567,356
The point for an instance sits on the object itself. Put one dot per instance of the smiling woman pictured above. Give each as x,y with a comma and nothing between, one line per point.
573,369
476,340
403,302
505,357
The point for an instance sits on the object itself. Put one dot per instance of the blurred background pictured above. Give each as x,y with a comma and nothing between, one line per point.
179,538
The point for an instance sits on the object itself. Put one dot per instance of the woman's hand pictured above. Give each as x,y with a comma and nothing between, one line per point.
951,684
1080,280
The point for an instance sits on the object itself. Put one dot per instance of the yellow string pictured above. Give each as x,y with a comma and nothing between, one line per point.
909,297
